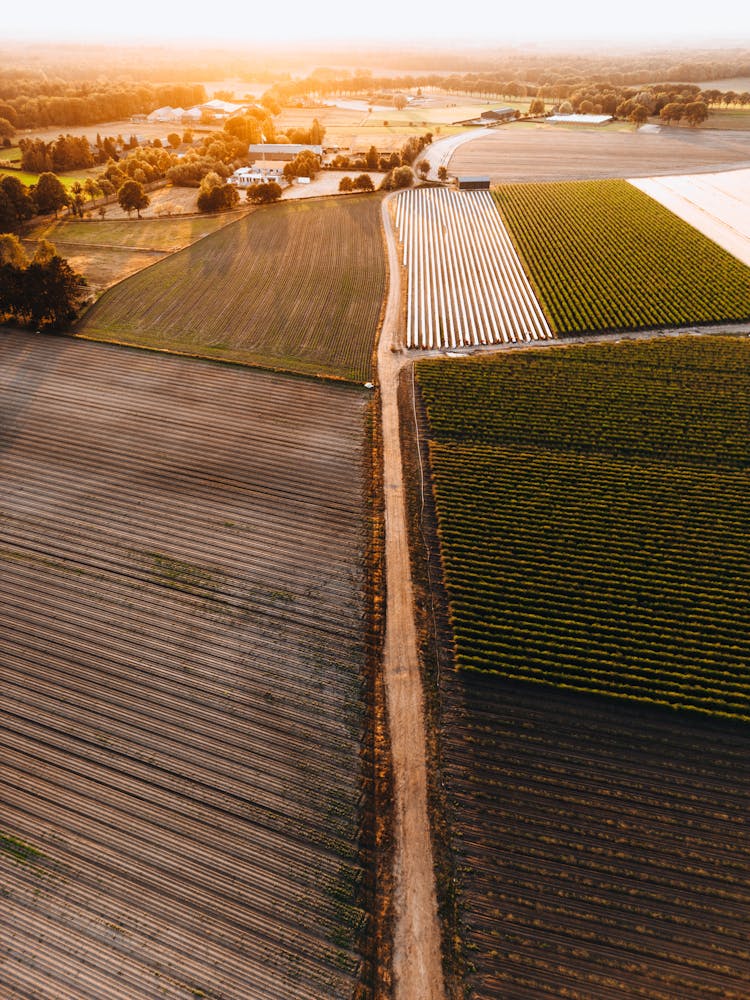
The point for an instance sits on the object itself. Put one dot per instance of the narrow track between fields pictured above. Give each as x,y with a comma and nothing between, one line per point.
417,965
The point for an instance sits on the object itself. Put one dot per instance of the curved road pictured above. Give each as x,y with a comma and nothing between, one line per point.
417,961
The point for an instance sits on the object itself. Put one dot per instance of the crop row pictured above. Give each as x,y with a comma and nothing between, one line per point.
297,286
679,400
601,847
582,552
603,255
465,283
181,636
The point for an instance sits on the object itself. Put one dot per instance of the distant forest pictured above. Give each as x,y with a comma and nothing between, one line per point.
41,86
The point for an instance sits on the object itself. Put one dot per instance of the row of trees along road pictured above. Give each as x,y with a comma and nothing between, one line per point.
44,293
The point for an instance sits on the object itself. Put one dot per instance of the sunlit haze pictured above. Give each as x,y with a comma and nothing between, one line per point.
484,22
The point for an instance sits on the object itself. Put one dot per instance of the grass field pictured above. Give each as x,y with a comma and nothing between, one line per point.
592,507
142,234
106,252
602,255
297,286
181,660
67,180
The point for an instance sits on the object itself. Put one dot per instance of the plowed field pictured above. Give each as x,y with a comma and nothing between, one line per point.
296,286
180,665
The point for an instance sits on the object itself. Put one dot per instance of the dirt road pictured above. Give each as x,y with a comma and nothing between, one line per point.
417,964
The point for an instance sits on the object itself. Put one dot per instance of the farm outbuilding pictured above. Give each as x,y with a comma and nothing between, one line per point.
280,150
479,183
499,115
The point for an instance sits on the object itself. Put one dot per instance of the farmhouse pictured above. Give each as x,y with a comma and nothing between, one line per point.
280,150
478,183
246,176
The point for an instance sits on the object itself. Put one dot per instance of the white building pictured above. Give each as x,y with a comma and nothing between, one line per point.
246,176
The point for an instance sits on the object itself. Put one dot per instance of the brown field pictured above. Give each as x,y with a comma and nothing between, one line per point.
602,851
546,153
107,251
181,659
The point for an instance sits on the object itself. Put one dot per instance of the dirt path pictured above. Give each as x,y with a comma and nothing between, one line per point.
417,964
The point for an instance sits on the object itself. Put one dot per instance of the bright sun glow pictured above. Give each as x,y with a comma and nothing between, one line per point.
484,22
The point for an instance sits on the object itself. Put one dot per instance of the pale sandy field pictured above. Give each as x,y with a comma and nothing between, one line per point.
717,204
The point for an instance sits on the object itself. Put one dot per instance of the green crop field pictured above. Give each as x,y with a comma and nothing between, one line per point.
297,286
602,255
593,515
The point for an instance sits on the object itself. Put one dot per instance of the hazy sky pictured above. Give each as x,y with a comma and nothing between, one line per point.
653,22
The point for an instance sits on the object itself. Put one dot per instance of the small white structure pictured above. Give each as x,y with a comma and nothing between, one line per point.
246,176
192,115
165,114
580,119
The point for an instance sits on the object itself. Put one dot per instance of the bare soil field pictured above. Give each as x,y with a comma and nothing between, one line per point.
716,204
545,153
602,851
181,658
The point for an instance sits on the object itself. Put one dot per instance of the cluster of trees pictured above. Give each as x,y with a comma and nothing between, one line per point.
400,177
373,160
18,202
37,102
67,152
305,164
44,292
264,193
255,126
216,195
361,183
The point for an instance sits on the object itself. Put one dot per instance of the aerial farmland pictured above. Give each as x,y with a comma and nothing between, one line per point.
373,577
183,678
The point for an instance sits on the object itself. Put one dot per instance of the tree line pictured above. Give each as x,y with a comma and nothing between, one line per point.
40,102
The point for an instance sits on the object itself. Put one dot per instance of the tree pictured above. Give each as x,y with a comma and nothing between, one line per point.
399,102
20,205
46,293
12,253
399,177
305,164
132,197
187,137
215,195
265,193
363,183
54,293
442,173
638,115
671,112
423,168
317,133
371,159
91,188
537,106
6,129
346,184
76,198
49,194
696,112
173,139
